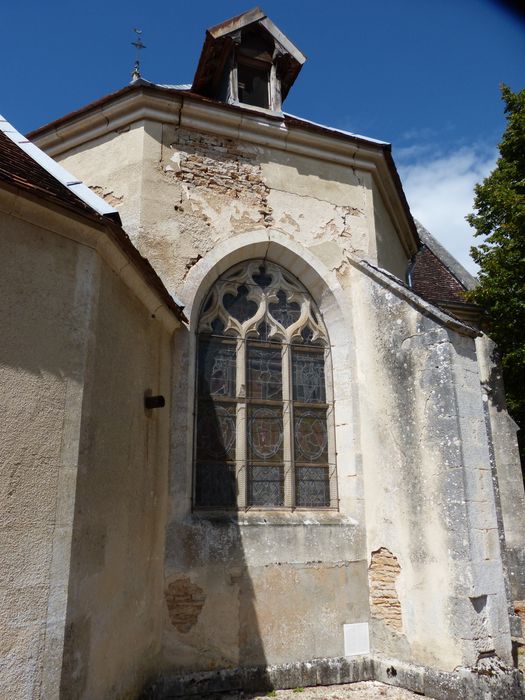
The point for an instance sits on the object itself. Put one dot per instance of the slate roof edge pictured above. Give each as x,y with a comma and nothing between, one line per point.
400,289
76,186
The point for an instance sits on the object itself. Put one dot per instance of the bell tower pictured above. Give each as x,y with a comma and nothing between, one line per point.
248,61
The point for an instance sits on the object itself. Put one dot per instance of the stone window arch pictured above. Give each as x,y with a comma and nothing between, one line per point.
264,435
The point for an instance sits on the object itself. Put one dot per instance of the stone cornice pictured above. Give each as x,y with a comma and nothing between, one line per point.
149,103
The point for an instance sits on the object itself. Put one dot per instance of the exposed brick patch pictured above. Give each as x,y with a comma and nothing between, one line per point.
223,166
519,609
111,198
185,601
384,602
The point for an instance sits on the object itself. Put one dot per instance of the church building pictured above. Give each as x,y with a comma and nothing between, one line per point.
253,436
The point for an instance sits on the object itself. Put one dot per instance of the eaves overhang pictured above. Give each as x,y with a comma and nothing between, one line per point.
137,103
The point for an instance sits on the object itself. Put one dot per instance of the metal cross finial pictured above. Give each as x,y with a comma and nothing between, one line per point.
135,75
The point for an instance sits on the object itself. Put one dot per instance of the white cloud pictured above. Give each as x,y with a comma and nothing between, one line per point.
440,192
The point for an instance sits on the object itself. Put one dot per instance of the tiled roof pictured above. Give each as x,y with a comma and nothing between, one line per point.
432,280
438,277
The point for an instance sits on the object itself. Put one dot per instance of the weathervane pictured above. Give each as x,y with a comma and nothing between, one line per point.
135,75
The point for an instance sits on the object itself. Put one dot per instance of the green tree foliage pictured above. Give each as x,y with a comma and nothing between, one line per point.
500,219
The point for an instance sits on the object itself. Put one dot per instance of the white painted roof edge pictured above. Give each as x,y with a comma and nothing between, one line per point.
337,131
76,186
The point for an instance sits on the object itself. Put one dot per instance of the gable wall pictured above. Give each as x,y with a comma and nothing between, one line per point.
181,191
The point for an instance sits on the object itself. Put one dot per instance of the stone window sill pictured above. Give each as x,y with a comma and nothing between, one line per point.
275,517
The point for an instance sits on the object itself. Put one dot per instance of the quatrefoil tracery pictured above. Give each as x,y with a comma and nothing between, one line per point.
257,293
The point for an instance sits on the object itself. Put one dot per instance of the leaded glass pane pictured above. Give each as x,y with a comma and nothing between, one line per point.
308,376
242,403
284,311
215,485
265,485
310,436
239,306
263,330
217,368
265,434
217,326
216,431
265,377
312,487
262,279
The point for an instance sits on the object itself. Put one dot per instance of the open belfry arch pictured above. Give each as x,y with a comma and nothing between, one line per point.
282,459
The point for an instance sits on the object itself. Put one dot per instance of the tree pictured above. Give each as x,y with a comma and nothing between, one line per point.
500,219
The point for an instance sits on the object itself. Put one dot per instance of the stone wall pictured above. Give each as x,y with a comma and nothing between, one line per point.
383,573
428,484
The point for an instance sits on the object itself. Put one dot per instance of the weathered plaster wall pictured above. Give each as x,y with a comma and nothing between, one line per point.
428,486
112,166
45,313
113,629
408,413
180,192
271,589
262,588
390,253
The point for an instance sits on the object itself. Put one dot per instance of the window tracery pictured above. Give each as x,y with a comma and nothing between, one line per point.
264,434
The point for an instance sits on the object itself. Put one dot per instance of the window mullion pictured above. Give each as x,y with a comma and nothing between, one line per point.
289,481
241,424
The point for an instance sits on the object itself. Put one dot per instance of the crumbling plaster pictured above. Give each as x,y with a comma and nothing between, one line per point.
180,192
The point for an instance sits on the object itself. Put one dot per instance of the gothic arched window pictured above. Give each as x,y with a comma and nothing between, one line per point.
264,434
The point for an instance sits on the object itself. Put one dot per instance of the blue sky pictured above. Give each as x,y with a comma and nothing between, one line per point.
421,74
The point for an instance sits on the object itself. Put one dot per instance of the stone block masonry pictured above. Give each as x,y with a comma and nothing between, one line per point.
384,602
185,601
221,166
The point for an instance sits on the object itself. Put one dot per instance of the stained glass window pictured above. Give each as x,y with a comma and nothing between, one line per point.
263,436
